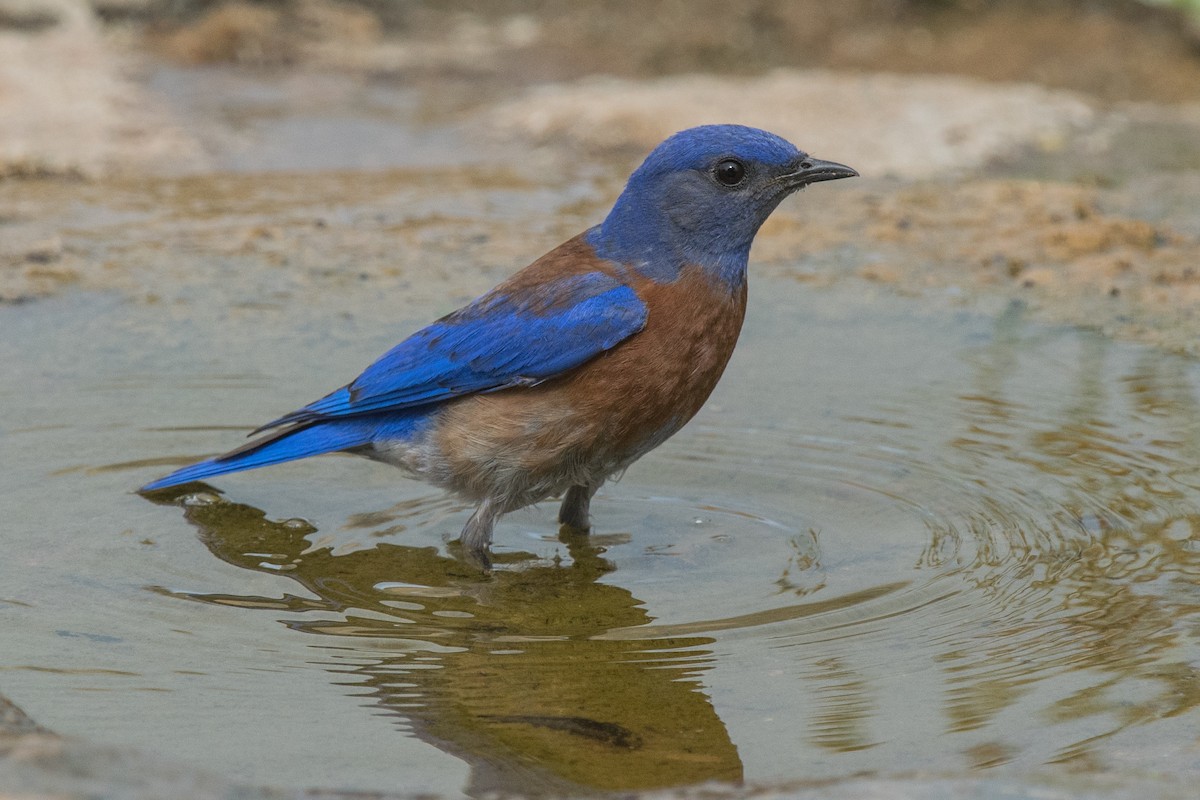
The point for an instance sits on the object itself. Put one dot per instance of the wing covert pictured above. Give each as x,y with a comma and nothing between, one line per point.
500,341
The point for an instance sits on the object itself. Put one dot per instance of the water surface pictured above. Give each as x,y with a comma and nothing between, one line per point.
897,539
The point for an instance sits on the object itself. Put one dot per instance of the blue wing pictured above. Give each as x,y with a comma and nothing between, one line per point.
500,341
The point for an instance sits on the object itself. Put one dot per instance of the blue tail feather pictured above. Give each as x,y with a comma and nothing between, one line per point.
299,442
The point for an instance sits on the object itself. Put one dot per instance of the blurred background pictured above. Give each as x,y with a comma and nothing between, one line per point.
1092,93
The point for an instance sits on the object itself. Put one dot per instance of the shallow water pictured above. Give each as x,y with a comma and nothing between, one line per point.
895,540
900,539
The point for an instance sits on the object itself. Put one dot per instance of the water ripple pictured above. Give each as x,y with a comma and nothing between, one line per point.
1005,555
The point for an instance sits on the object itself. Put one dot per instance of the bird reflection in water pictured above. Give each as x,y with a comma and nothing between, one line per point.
510,672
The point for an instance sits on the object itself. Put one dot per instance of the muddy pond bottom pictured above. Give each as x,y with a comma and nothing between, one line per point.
895,541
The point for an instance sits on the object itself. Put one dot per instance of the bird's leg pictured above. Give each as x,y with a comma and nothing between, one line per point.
574,510
476,535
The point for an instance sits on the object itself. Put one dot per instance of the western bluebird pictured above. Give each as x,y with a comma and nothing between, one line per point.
579,364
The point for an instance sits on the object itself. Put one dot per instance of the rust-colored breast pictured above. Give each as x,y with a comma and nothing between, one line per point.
525,444
647,387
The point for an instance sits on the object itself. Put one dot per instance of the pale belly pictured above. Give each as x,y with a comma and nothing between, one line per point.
518,448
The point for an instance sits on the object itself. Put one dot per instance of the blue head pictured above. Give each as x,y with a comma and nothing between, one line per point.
701,196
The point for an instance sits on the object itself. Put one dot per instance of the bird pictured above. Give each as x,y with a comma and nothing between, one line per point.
573,368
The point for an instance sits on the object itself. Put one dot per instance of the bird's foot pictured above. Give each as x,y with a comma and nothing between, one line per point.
476,537
574,513
479,559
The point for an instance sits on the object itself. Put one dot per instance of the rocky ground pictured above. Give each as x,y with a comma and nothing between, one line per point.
1055,158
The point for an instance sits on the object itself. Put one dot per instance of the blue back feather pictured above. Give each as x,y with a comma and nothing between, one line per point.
497,342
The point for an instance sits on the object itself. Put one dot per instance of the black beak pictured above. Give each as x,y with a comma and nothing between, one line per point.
814,170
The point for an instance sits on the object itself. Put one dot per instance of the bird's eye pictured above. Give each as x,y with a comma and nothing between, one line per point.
729,172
